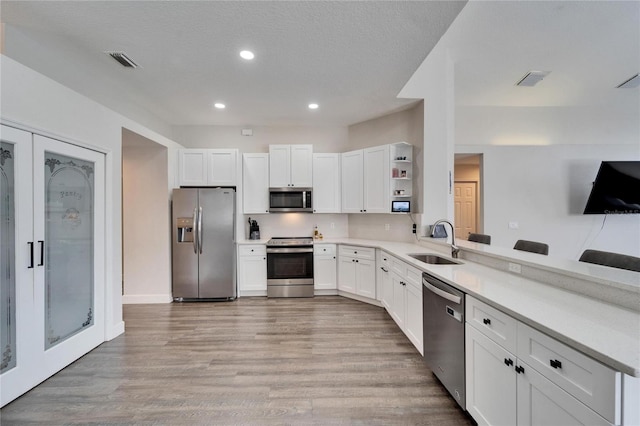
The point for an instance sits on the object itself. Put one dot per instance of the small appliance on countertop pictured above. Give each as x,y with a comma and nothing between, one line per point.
254,230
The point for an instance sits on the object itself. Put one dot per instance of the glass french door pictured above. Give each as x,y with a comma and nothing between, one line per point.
16,280
55,303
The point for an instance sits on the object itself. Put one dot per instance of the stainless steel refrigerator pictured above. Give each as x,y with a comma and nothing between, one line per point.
203,235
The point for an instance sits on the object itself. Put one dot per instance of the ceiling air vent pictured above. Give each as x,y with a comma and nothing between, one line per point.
630,83
532,78
124,60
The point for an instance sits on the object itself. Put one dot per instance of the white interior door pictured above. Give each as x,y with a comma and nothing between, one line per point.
69,252
17,346
465,202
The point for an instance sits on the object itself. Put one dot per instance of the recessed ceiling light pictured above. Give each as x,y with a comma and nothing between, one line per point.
313,106
219,105
247,54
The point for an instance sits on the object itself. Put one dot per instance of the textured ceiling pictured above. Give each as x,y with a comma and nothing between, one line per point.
350,57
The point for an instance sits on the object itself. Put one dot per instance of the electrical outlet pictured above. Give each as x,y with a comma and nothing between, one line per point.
514,225
387,227
515,267
414,228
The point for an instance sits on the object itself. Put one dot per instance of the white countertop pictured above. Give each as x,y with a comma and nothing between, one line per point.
606,332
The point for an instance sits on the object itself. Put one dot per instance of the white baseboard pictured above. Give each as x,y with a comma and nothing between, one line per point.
135,299
360,298
114,331
325,292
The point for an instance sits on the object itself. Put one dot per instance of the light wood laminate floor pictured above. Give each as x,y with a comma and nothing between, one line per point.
255,361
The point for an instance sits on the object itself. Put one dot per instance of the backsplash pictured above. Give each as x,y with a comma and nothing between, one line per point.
298,225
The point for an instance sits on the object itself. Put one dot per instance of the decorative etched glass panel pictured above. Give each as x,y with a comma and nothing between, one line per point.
68,262
8,262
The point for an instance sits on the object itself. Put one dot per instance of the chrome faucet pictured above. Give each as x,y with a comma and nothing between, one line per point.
454,249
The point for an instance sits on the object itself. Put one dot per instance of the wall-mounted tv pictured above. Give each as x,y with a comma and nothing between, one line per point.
616,189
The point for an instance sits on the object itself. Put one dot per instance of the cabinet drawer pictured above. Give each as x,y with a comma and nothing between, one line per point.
414,277
595,384
384,259
358,252
496,325
328,249
399,267
252,250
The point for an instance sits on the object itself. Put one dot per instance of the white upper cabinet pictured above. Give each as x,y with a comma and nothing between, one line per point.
365,181
207,167
326,183
376,180
290,165
255,183
352,201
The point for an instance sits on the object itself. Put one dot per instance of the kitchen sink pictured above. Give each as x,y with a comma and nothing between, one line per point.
433,259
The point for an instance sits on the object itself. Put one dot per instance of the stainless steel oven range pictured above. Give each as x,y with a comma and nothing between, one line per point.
290,267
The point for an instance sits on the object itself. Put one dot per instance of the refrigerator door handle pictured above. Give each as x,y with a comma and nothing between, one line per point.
195,230
200,229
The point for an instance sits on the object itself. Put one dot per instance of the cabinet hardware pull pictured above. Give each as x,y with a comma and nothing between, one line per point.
41,242
508,361
519,369
555,363
31,256
487,321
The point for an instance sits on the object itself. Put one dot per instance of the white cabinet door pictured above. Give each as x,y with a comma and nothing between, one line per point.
347,274
252,274
291,165
398,309
366,278
192,167
414,317
279,166
222,167
301,166
207,167
490,380
326,183
541,402
376,180
387,288
352,201
324,272
255,183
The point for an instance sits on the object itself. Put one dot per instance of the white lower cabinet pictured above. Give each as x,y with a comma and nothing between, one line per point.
403,297
385,287
357,271
252,270
324,268
490,380
550,388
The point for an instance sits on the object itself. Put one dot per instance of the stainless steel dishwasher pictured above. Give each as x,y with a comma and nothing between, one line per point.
443,328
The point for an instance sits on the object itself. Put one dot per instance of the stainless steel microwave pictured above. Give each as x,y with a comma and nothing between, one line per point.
290,199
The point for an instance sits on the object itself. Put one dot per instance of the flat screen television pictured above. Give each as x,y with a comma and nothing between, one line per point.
616,189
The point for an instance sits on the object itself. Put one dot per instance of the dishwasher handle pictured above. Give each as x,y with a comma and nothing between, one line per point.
444,294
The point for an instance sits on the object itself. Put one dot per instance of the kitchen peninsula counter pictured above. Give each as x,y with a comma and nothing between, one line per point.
606,332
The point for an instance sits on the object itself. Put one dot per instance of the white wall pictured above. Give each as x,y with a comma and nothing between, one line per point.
37,103
324,139
145,221
544,189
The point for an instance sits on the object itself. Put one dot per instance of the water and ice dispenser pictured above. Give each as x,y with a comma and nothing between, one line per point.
185,229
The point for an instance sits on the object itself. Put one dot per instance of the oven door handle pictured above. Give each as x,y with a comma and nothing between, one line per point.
290,250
